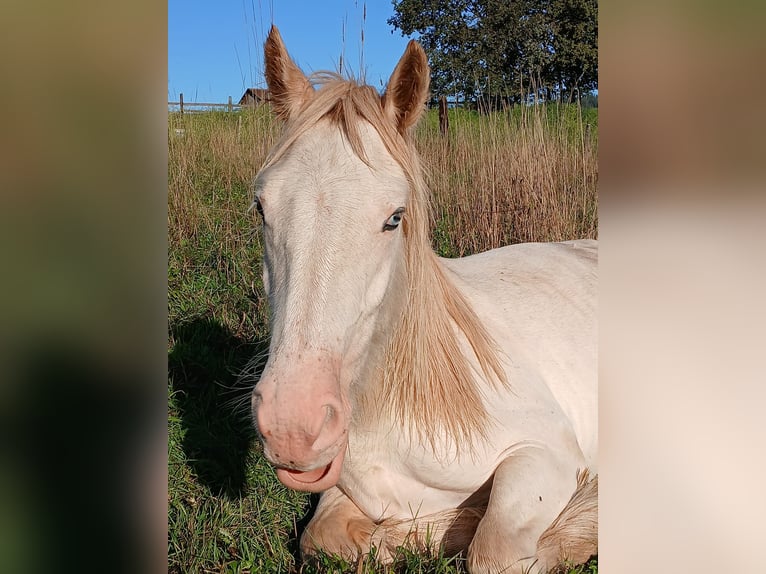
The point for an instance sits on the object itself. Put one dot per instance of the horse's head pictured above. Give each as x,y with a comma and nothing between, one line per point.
334,196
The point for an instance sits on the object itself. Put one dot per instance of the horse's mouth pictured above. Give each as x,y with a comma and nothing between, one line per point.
315,480
310,476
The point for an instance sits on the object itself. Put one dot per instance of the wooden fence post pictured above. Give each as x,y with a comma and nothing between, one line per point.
229,103
443,117
181,100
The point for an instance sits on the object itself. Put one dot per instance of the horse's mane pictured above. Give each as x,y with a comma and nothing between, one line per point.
427,381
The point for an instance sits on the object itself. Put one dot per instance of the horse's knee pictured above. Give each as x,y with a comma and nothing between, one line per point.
338,527
349,538
573,536
520,508
489,551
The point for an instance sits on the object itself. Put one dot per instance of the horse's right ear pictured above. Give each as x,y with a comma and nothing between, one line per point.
407,90
289,88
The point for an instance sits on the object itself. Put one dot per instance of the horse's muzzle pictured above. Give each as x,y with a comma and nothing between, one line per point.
304,435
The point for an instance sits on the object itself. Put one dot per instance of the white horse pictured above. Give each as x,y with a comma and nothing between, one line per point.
433,401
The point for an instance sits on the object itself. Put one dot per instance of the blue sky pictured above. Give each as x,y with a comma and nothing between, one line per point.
215,48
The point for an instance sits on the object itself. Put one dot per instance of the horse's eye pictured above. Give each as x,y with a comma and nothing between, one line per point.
394,221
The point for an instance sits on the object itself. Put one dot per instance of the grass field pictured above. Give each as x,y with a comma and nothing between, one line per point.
526,175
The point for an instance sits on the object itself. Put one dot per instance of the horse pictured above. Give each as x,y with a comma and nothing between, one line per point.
435,403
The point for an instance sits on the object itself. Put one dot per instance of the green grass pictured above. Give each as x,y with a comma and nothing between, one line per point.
498,179
227,512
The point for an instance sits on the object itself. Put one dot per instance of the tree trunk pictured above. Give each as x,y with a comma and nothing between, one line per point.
443,117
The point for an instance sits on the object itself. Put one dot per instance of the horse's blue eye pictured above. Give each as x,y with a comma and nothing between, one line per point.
393,221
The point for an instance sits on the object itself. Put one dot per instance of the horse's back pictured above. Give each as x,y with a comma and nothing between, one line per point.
538,301
533,261
531,277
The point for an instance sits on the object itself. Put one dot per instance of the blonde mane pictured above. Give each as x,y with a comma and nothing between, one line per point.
427,381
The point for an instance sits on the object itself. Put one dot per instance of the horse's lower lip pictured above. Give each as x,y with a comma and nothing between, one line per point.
317,480
310,476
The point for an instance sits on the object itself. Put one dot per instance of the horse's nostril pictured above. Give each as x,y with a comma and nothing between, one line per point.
255,402
256,409
330,414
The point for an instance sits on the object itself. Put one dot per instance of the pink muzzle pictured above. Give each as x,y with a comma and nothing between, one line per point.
304,428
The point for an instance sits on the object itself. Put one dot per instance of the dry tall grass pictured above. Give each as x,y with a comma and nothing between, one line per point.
214,263
524,175
212,159
528,174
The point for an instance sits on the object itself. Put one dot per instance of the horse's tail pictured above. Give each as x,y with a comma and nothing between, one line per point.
573,536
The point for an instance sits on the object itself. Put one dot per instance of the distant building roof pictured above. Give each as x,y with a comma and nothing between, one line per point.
254,96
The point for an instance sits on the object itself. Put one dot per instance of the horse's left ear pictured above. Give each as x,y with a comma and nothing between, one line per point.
407,90
289,88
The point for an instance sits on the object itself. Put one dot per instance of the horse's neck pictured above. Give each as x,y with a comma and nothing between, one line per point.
393,307
426,364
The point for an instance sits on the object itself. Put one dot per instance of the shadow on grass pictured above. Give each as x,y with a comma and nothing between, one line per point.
294,544
213,401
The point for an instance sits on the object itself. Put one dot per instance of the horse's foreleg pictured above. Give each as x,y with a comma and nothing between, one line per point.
530,489
338,527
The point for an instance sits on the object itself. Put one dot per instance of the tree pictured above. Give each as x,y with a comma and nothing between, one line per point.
575,43
451,42
481,48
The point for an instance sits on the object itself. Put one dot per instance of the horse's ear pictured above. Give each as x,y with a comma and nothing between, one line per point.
289,88
407,90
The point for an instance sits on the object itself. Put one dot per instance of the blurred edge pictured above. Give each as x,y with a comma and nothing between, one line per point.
83,303
683,277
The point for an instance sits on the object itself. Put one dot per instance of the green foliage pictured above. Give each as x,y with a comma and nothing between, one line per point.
590,567
492,48
574,24
590,100
405,561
